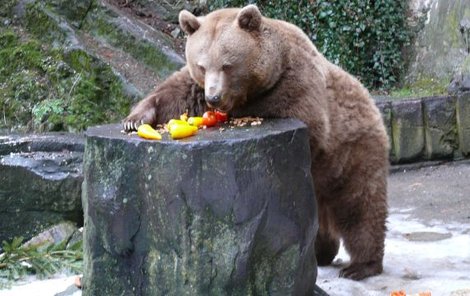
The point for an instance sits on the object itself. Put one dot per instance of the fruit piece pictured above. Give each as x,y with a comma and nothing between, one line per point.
179,131
184,116
221,116
177,121
147,132
209,119
174,122
196,121
398,293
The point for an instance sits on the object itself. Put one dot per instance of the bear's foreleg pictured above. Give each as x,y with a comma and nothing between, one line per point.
174,96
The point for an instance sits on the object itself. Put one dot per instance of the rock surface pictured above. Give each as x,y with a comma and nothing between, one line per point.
442,46
65,63
463,123
440,122
407,131
222,213
54,235
40,183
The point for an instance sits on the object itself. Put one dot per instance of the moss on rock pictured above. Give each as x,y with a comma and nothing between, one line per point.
52,78
107,24
422,87
44,88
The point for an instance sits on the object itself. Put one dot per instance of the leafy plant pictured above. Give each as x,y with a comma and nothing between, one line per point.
17,261
364,37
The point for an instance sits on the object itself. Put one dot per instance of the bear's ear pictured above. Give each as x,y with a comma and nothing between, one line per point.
188,22
249,18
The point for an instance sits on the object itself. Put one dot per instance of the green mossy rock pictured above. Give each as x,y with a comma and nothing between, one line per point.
407,131
440,127
440,48
140,41
463,123
62,64
385,108
74,13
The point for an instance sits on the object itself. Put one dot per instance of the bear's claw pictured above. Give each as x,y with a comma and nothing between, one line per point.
130,126
143,113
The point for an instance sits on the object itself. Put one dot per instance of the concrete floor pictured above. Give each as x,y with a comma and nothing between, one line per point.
438,192
428,239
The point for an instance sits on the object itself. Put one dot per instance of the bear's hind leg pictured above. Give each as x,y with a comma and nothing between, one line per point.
366,253
327,240
326,249
362,227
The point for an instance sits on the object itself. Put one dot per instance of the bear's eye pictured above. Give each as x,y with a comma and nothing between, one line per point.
226,67
202,69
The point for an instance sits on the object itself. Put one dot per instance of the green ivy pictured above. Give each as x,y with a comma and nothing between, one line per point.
364,37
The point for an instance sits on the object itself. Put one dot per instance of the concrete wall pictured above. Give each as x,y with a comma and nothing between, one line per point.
430,128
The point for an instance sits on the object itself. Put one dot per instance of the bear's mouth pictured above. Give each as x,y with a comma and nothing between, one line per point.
224,105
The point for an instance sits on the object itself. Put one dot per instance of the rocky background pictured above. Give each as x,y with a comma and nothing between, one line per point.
440,53
69,65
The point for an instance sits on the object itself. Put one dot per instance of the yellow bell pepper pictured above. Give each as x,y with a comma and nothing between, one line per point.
196,121
174,122
147,132
179,131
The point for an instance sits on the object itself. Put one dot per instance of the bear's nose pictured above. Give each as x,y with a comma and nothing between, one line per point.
213,99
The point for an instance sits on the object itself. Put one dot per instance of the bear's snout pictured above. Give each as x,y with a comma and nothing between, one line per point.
214,100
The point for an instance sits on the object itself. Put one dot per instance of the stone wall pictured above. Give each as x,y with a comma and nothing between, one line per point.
430,128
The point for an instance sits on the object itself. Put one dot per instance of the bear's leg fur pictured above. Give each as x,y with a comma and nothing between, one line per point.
364,238
360,210
174,96
327,241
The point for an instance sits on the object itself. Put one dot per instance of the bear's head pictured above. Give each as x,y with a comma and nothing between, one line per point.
232,54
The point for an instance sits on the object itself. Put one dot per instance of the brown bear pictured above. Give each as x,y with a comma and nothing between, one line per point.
248,65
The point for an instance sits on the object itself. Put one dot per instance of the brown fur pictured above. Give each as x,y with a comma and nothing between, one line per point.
263,67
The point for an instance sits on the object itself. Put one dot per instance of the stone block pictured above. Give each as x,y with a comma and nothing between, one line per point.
40,183
222,213
407,131
385,108
463,122
440,127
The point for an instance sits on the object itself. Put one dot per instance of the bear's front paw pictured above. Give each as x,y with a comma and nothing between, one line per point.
137,118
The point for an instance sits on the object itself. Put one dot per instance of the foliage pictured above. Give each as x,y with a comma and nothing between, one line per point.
50,89
17,261
6,6
364,37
